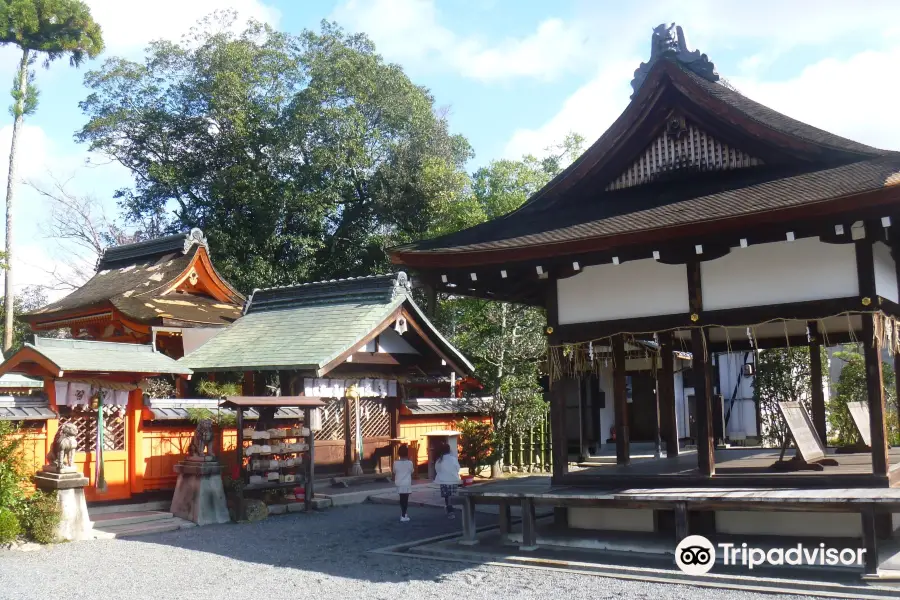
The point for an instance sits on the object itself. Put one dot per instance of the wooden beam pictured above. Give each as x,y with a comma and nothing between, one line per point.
620,402
706,459
560,441
666,385
865,269
817,393
247,383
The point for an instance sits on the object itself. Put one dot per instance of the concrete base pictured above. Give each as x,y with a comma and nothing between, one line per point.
74,523
199,493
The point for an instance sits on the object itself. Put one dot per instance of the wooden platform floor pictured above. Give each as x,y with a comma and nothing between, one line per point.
736,461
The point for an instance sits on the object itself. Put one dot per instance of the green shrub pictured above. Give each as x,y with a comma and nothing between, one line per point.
40,517
13,471
478,445
9,526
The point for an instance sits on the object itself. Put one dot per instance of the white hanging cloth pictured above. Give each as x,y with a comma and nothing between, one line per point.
79,393
62,392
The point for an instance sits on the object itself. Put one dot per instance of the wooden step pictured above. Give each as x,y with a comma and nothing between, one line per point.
144,528
128,518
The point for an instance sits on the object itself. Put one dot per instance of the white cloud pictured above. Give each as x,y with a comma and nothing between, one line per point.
588,112
129,26
409,32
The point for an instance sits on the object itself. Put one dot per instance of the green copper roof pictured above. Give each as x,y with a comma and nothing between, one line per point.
305,327
104,357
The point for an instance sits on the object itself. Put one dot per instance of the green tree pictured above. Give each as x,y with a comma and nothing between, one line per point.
851,387
505,341
782,375
31,298
302,157
49,29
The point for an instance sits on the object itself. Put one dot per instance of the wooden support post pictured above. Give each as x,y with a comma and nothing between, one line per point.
181,387
895,250
560,447
468,518
239,453
561,516
666,385
620,401
348,438
815,376
247,384
259,384
584,417
505,522
310,486
870,540
865,269
529,527
430,301
706,459
682,527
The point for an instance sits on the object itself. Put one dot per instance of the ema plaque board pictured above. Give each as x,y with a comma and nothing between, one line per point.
860,413
808,444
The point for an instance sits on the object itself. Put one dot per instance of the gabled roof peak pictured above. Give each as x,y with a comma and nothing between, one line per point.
669,42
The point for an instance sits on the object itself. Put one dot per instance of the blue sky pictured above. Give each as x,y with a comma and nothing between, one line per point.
517,75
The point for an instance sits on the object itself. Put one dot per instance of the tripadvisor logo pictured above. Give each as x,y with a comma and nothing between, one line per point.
696,555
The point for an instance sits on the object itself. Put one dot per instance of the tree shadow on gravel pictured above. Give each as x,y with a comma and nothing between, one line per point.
336,541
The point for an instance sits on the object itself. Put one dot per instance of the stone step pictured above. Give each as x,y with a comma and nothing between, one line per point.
145,528
127,518
104,509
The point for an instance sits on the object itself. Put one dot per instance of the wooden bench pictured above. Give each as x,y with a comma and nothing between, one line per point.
868,503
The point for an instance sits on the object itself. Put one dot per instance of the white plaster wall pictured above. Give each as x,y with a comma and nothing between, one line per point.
885,272
639,288
392,342
788,523
780,272
611,519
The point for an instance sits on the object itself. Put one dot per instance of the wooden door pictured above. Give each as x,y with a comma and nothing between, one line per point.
642,409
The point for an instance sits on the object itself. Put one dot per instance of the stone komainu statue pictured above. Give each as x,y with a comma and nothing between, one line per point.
62,452
201,444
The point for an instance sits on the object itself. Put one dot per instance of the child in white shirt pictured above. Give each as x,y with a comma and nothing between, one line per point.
403,470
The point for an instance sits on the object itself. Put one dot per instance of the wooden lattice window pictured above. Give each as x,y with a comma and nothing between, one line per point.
86,422
374,418
332,420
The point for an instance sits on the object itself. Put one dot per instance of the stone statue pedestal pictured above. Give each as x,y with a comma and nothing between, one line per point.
75,523
199,493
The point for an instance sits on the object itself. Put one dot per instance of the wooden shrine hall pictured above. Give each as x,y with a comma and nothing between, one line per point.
705,222
164,292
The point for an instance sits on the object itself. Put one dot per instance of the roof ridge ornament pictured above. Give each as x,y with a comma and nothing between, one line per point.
195,237
669,42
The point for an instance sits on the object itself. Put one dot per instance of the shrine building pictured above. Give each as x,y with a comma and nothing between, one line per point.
704,222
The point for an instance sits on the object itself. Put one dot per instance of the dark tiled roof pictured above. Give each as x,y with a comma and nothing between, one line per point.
129,254
25,408
186,308
374,289
779,122
178,409
644,207
440,406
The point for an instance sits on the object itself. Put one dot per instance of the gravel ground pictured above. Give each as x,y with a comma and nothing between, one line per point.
322,555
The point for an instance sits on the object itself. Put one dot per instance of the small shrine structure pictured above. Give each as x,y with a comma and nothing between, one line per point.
361,344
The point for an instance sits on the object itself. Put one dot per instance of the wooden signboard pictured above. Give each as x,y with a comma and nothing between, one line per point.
809,446
860,413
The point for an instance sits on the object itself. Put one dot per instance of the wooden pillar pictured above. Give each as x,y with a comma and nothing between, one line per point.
309,488
52,424
559,448
865,268
181,387
584,414
430,301
895,251
706,459
348,437
620,401
666,383
247,384
135,443
817,393
259,383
